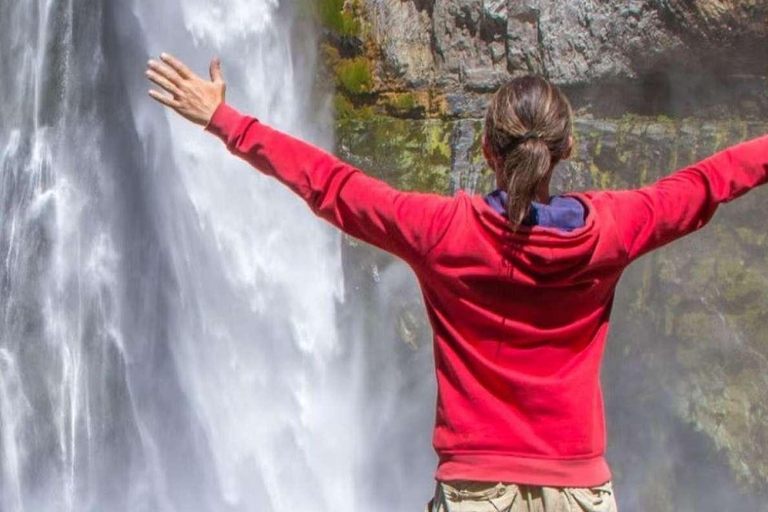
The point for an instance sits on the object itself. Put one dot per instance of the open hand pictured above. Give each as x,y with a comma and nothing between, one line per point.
190,95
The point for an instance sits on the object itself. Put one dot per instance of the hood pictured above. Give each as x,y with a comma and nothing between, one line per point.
566,213
544,253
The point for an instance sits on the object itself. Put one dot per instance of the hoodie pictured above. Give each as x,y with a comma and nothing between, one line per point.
519,318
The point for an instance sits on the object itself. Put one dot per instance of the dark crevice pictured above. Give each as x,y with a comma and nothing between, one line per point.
425,5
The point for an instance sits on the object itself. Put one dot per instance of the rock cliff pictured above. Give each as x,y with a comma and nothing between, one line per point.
658,84
677,57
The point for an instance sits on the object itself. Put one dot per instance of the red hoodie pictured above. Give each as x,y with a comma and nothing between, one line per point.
519,319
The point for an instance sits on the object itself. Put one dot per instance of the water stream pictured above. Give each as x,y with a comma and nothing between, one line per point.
169,336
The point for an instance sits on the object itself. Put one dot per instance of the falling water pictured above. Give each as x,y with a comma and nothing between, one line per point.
169,337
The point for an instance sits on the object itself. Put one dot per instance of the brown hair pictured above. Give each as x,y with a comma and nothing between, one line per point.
527,131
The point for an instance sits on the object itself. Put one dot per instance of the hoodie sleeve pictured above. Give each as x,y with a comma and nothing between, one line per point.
407,224
685,201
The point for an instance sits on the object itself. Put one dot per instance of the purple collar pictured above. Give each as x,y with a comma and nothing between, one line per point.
566,213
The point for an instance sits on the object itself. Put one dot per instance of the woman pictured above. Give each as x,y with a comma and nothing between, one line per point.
518,285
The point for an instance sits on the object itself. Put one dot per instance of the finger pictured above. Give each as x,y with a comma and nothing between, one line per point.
163,82
176,64
165,100
167,72
216,75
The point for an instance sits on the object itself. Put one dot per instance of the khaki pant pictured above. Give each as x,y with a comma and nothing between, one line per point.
466,496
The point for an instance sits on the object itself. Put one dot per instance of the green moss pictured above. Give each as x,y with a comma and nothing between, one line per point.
405,102
599,178
408,154
343,108
720,138
438,141
330,54
629,120
355,75
334,16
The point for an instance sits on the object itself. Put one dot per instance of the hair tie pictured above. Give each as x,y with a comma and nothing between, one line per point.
516,141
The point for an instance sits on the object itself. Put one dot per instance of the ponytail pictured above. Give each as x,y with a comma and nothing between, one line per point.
527,129
526,167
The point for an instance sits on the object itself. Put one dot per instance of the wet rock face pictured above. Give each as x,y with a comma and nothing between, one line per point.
404,35
735,21
570,42
473,46
474,43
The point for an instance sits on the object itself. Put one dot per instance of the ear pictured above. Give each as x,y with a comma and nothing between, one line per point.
487,154
568,151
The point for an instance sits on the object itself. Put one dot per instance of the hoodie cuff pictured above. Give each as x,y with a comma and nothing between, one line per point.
223,121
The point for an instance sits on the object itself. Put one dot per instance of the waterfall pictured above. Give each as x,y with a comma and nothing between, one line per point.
169,337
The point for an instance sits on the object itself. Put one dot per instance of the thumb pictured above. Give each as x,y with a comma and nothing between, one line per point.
216,71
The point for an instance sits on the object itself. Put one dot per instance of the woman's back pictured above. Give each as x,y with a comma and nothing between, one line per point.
520,321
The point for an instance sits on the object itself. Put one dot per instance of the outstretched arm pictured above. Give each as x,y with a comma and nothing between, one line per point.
685,201
406,224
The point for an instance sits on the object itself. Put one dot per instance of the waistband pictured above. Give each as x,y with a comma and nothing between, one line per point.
501,467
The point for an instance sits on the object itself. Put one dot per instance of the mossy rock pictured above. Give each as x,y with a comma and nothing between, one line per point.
411,155
333,16
407,104
355,76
